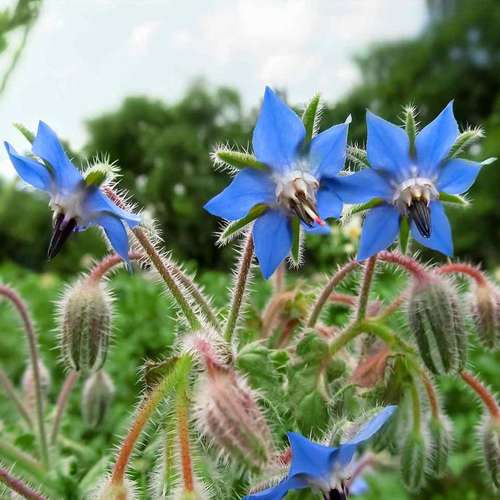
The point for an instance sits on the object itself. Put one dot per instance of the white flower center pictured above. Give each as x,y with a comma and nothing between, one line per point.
71,205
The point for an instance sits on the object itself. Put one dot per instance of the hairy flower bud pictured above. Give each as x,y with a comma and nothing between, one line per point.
125,490
486,314
28,383
228,413
442,442
85,325
97,396
489,434
414,461
436,320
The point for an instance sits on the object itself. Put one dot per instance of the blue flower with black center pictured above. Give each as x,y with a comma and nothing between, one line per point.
408,177
323,468
292,185
77,202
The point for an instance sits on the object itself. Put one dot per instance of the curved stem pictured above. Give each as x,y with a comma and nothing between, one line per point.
106,264
11,392
431,394
22,309
393,306
328,289
182,367
411,265
343,298
240,285
416,407
18,486
62,401
365,287
471,271
484,394
272,311
162,268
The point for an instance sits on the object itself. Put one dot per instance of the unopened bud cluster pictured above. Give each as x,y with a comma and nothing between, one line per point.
97,397
486,314
414,461
489,434
85,325
28,383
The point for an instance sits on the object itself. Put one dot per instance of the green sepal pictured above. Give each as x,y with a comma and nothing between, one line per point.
464,140
411,127
295,252
358,156
356,209
232,228
239,160
310,117
95,178
27,133
404,234
453,198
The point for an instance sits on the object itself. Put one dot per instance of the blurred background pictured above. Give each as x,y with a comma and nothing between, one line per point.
156,84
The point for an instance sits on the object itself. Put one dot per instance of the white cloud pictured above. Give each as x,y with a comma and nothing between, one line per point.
142,35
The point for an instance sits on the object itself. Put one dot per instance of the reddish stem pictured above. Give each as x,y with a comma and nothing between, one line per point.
431,394
106,264
411,265
343,298
62,401
483,393
18,486
183,429
471,271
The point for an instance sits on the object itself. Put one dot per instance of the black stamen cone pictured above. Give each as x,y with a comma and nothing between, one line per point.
335,495
60,235
300,212
420,214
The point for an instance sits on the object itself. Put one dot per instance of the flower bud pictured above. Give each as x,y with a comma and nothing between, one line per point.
97,396
125,490
28,383
442,442
489,434
486,314
436,321
228,413
414,461
85,325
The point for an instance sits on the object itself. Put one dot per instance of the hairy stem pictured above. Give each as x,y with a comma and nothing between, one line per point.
153,399
393,306
484,394
471,271
365,287
328,289
279,279
106,264
407,263
62,401
18,486
182,403
240,285
22,309
416,407
12,394
431,394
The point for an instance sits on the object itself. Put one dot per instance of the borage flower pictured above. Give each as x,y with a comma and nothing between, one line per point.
323,468
289,188
77,202
408,175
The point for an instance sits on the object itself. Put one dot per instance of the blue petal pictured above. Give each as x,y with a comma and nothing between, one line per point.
247,189
434,142
47,146
440,239
380,229
280,490
328,151
278,134
387,146
30,171
363,186
457,176
317,228
116,233
327,202
358,487
97,202
272,236
310,459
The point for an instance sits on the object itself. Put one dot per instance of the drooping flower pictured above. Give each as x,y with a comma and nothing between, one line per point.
408,178
292,186
322,467
77,202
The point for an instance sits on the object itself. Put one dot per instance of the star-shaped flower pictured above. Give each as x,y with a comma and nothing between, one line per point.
323,467
292,186
77,202
408,179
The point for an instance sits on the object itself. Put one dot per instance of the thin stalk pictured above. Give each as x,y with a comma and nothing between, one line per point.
328,289
393,306
18,486
343,298
22,309
365,287
279,279
159,264
431,394
240,285
407,263
273,310
416,407
147,408
62,401
11,392
484,394
106,264
181,410
470,271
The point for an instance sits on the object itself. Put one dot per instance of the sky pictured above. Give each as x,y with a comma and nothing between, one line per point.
84,56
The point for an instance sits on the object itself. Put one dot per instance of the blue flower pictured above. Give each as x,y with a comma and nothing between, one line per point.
323,467
409,184
76,204
293,186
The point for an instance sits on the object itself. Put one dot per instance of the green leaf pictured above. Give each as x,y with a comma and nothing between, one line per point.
356,209
295,253
310,117
232,228
237,159
453,198
28,134
404,233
